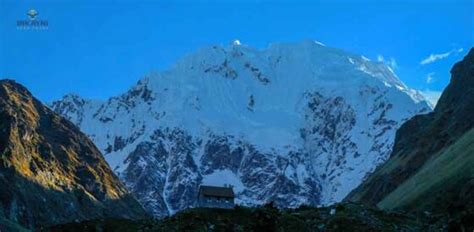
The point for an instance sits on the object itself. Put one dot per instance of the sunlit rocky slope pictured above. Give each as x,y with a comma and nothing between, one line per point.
51,173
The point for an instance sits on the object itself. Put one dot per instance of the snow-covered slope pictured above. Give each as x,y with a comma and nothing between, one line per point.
297,123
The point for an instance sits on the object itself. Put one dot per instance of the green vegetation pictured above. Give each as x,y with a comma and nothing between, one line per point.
449,169
7,225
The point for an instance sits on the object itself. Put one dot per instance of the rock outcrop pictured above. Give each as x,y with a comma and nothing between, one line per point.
51,173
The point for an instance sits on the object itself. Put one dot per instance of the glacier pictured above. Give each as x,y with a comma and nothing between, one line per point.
295,123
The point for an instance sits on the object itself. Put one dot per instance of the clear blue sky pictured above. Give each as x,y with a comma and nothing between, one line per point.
99,49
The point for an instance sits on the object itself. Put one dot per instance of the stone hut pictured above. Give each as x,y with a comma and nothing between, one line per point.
215,197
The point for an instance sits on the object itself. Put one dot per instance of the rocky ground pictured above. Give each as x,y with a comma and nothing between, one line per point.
342,217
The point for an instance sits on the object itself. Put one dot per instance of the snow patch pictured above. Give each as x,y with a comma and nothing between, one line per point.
222,178
319,43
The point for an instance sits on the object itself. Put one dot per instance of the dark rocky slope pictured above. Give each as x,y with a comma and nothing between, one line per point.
431,167
50,172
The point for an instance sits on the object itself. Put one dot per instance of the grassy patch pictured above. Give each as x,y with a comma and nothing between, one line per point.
448,169
7,225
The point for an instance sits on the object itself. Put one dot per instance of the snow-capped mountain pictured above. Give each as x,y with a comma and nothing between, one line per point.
297,123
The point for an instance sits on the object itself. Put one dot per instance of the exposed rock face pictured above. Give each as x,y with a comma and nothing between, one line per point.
423,141
294,124
50,172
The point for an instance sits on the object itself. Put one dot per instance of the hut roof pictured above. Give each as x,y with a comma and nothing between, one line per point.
216,191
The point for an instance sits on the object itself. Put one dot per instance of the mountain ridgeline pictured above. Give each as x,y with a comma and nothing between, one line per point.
431,166
51,173
427,184
296,123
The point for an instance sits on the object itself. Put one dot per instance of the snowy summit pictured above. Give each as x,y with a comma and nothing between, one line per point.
236,42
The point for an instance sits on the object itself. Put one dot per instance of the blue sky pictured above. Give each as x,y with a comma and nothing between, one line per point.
99,49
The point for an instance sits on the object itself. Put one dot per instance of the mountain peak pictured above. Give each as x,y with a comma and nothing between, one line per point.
236,42
292,123
461,86
10,82
72,96
13,86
